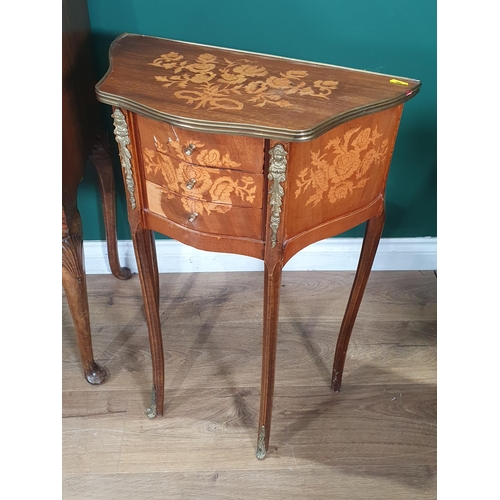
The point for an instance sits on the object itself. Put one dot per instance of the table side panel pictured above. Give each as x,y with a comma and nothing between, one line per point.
339,173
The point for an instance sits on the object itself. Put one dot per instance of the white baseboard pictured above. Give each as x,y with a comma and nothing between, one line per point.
334,254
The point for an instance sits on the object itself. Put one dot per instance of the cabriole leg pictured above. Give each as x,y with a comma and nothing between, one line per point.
75,288
145,254
370,243
102,163
272,285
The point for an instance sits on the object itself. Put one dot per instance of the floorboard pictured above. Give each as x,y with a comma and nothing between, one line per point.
375,439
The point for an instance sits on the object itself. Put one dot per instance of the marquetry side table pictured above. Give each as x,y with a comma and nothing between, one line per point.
232,151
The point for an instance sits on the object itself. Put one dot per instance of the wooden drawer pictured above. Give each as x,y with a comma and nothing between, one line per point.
203,216
208,184
210,150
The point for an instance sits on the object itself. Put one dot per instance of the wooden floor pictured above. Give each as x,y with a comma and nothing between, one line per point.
374,440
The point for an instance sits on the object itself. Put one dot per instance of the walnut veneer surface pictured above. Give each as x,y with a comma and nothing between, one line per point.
237,152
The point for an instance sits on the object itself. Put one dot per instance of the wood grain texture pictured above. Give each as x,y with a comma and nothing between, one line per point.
353,482
211,89
377,437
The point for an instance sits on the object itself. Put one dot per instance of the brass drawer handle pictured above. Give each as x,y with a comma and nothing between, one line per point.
192,217
188,150
190,183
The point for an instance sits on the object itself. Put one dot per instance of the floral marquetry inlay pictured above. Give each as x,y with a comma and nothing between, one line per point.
203,189
343,166
230,84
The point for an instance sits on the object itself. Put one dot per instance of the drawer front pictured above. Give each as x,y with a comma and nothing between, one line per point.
207,184
210,150
214,218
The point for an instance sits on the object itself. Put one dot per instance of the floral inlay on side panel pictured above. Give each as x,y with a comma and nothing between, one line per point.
343,166
203,190
226,84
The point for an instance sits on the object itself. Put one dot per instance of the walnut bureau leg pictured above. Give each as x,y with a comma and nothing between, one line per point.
235,152
75,288
102,163
82,133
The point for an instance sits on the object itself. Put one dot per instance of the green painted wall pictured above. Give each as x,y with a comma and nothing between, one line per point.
388,36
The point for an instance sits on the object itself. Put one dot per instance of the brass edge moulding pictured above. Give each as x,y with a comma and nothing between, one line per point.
248,129
277,174
123,140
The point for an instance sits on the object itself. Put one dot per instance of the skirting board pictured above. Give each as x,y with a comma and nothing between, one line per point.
334,254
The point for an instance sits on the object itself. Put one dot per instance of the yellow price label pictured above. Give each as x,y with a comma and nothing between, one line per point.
398,82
